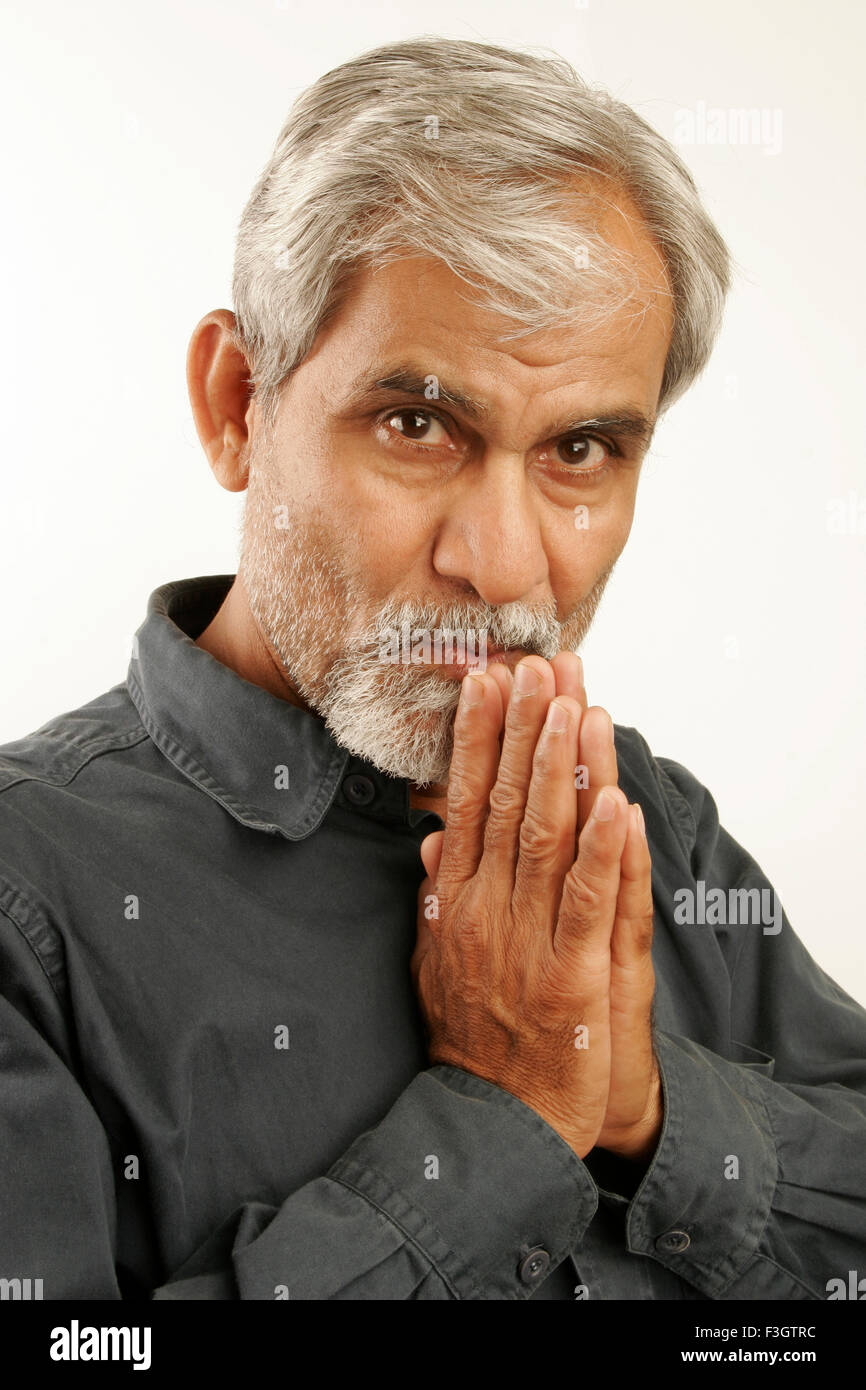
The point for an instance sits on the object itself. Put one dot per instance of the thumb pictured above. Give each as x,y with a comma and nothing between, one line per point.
431,853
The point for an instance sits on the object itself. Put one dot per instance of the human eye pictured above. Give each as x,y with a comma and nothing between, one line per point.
585,453
416,426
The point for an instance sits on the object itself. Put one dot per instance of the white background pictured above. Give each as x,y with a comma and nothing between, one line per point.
732,632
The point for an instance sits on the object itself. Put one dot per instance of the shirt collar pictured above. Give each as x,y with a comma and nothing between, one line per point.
273,766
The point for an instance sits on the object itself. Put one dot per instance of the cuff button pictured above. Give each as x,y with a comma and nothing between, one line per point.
673,1242
534,1266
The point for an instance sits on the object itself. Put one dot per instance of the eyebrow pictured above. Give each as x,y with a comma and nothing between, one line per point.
624,421
407,382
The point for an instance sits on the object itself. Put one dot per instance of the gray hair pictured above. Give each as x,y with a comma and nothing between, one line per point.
478,156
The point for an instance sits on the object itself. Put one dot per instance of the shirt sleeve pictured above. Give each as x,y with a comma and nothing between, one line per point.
757,1188
460,1192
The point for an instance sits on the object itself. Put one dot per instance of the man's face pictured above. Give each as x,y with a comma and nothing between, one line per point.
491,507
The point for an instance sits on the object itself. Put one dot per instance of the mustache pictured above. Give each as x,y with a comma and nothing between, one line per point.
534,630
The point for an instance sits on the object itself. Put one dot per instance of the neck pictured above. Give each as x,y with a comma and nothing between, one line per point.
234,638
429,798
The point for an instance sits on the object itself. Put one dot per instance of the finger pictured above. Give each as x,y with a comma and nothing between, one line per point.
568,670
591,889
500,673
631,943
632,976
533,689
547,834
597,756
474,761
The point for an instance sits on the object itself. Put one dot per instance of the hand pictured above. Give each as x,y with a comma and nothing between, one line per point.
634,1071
635,1083
534,950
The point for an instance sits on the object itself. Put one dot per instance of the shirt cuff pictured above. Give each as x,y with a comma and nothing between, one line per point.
487,1190
705,1199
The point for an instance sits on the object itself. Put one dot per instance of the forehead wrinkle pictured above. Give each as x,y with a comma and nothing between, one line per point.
631,420
623,416
412,382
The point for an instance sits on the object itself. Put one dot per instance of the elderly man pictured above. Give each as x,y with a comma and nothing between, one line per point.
348,953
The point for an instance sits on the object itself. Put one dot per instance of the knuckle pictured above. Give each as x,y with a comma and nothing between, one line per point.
463,775
463,808
581,898
463,917
542,844
506,811
536,857
498,835
506,801
584,896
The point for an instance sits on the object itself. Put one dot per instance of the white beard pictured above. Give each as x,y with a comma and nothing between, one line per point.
398,717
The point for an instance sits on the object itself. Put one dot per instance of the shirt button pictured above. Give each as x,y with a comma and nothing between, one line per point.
673,1242
534,1266
359,790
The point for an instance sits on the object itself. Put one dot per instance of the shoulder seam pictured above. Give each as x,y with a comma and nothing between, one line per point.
7,908
94,747
674,797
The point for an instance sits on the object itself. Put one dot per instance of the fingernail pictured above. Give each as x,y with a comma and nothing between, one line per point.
604,808
526,679
557,718
471,692
639,820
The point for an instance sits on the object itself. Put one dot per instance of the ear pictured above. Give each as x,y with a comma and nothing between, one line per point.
220,394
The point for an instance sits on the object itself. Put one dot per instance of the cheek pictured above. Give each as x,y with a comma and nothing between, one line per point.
613,524
587,540
381,533
325,485
394,525
337,465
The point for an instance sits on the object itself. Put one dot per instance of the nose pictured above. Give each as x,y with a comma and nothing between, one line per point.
491,534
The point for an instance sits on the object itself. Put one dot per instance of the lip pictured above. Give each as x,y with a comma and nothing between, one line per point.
495,656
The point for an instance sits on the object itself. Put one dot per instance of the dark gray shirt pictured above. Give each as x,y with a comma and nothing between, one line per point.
214,1077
